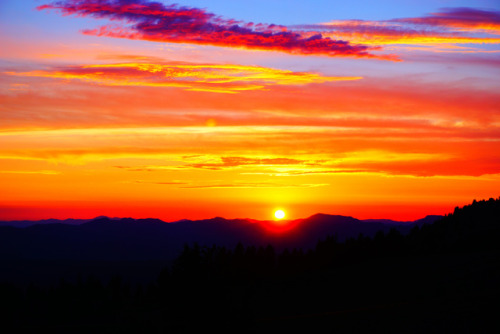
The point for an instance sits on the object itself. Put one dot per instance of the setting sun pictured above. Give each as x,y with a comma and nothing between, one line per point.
279,214
157,156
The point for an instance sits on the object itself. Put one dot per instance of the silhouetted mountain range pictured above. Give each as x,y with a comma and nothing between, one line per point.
440,277
69,221
113,239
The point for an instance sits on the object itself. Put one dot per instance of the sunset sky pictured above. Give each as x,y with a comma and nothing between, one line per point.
195,109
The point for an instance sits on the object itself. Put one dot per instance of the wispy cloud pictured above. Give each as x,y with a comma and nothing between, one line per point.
154,21
448,26
255,185
235,184
220,78
302,172
40,172
221,163
17,87
232,162
161,182
462,19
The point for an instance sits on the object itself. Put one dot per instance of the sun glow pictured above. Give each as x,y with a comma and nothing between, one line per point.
279,214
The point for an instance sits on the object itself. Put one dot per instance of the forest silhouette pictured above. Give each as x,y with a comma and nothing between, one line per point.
438,278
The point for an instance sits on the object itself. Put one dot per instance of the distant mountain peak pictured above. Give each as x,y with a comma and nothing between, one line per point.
325,216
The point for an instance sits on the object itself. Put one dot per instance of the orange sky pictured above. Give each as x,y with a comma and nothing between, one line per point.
98,125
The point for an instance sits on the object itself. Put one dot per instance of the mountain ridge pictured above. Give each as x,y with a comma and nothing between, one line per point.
77,221
153,239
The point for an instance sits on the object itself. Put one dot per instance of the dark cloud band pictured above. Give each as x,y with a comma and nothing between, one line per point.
154,21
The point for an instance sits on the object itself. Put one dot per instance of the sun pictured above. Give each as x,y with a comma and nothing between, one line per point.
279,214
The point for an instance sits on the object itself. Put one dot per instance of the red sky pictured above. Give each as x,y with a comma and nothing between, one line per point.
152,109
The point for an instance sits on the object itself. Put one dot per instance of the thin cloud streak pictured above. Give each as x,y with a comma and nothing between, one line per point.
461,18
233,162
255,185
40,172
448,26
222,78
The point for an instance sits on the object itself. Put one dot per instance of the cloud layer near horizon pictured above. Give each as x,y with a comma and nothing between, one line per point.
154,21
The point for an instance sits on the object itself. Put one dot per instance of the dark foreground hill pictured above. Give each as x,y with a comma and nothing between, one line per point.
438,278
